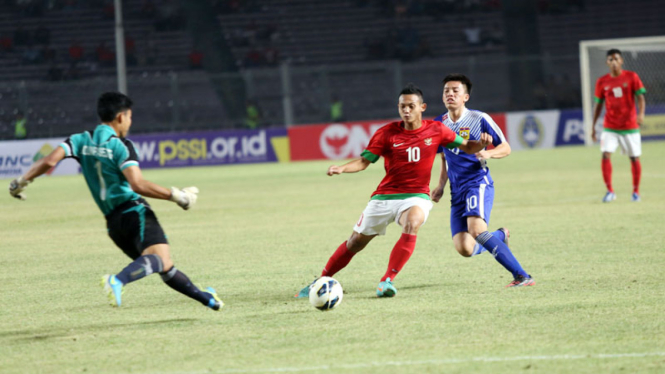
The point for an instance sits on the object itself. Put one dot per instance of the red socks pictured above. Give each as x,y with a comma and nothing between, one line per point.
606,166
400,255
337,261
636,168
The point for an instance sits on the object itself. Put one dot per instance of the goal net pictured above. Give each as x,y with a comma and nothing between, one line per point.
646,57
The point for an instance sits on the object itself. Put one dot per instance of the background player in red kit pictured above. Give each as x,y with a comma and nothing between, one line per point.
409,148
619,89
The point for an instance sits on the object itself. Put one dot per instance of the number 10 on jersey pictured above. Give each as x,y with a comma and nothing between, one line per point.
414,154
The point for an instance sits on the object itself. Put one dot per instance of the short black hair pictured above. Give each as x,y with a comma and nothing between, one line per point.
457,77
112,103
613,51
412,89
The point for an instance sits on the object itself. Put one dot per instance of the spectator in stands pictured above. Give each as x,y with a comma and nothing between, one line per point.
22,37
70,5
31,55
195,59
6,44
271,55
375,47
494,35
540,95
54,73
251,31
424,49
72,72
42,35
253,58
336,109
146,55
75,52
252,115
148,9
48,53
130,51
105,56
567,95
30,8
20,126
108,11
168,16
408,40
473,33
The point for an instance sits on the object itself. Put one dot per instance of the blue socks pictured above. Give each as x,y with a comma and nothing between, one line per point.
141,267
177,280
494,244
478,248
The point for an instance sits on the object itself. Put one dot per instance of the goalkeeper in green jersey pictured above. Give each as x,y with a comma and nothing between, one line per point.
110,166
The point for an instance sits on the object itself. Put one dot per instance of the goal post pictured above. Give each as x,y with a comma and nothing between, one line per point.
644,55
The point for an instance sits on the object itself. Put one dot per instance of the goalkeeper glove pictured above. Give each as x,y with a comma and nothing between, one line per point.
185,198
17,186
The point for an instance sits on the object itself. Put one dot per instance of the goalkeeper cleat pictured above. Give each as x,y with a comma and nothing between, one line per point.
609,196
636,197
304,293
215,303
113,288
506,234
386,289
522,281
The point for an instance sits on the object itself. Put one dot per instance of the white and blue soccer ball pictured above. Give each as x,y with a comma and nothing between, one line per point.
325,293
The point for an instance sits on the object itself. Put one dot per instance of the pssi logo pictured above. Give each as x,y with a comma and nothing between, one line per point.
340,141
531,132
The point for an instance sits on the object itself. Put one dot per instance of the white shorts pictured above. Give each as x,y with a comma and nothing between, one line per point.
631,144
380,213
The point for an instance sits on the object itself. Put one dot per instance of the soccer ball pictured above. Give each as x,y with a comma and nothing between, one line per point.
325,293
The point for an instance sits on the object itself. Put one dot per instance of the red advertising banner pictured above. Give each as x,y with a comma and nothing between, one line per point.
337,141
334,141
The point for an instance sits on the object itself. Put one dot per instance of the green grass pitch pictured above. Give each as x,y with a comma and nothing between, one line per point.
261,232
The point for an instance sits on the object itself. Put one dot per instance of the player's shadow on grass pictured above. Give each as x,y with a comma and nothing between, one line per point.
402,289
61,332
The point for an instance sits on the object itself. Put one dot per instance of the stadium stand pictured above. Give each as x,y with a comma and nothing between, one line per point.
342,48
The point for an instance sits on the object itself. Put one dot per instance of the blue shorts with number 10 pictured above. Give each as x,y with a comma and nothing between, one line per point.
471,201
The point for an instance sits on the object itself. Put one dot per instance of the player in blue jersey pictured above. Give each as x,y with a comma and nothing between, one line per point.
471,185
110,166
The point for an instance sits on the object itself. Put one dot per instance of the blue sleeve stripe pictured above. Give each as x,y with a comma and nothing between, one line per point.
127,164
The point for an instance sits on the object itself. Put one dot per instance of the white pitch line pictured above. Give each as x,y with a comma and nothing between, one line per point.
422,362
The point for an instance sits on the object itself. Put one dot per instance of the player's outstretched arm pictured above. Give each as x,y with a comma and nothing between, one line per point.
437,192
475,146
500,151
185,197
18,185
353,166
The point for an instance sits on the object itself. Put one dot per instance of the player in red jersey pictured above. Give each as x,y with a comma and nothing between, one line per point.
619,89
409,148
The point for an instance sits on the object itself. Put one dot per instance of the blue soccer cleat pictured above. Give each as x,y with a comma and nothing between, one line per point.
113,288
636,197
609,196
304,293
386,289
215,303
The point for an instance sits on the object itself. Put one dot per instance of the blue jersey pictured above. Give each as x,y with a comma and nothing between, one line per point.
103,156
465,170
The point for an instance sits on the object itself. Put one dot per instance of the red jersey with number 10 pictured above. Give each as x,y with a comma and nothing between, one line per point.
409,155
619,96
